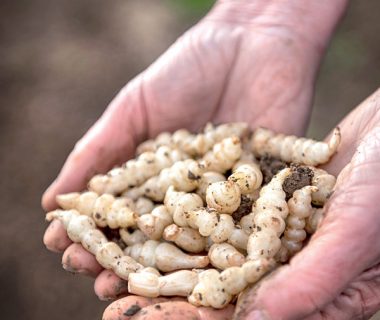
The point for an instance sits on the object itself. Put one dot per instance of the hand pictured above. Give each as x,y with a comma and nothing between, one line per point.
238,63
337,276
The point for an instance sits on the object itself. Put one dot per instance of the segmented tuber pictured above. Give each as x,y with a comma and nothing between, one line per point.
134,172
106,210
299,210
294,149
164,256
82,229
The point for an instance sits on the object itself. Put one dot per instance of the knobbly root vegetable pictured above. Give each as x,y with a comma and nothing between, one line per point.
185,238
294,149
224,155
195,201
131,238
179,203
325,183
179,283
153,224
223,196
164,256
299,210
143,206
248,177
82,229
183,175
134,172
163,139
188,212
217,289
106,210
224,255
271,211
314,220
196,144
206,179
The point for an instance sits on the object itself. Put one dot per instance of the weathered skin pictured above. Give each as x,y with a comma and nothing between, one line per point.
132,118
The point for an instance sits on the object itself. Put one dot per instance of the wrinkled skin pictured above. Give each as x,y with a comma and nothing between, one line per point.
235,70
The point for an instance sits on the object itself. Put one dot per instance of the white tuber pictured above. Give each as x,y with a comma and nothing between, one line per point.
325,183
294,149
224,255
134,172
185,238
299,210
106,210
216,289
271,211
223,155
183,175
148,284
154,223
314,220
131,238
206,179
164,256
82,229
223,196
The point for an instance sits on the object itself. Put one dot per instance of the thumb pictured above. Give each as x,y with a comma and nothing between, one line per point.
343,247
111,140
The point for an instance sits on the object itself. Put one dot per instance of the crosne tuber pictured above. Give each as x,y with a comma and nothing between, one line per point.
164,256
106,210
271,211
294,149
185,238
188,212
196,144
134,172
82,229
299,210
216,210
154,223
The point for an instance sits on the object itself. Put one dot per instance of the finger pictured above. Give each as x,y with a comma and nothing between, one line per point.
77,260
359,301
340,250
182,310
109,286
55,237
125,308
111,140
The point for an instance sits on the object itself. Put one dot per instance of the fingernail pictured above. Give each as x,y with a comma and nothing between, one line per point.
84,272
258,315
106,298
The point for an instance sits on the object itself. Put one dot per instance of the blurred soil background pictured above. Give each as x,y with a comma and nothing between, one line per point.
61,62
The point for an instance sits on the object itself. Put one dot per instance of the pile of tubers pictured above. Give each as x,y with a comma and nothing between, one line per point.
198,215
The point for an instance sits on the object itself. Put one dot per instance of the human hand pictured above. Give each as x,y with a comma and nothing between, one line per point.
244,61
337,276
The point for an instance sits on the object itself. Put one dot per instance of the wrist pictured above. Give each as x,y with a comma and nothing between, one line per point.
312,21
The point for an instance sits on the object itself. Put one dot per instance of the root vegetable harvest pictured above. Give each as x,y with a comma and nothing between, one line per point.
198,182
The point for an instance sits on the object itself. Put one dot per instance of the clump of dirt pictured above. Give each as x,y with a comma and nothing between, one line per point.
113,235
300,177
270,166
244,208
132,310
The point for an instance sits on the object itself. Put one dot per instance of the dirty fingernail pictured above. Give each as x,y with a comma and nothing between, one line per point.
84,272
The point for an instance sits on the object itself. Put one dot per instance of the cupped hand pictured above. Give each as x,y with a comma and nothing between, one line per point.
337,276
229,67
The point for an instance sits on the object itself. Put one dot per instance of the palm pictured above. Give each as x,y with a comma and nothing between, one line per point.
339,270
218,72
221,73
